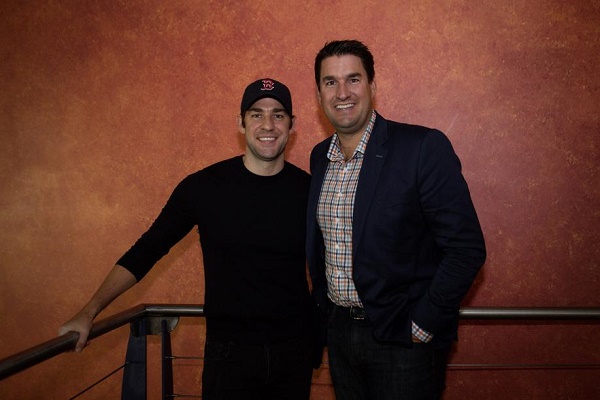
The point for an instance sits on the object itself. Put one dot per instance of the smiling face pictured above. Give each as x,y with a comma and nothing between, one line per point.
266,126
345,94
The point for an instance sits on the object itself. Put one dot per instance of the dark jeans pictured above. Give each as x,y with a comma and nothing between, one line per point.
242,371
365,369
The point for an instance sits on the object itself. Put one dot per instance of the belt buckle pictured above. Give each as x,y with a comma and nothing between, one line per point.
357,313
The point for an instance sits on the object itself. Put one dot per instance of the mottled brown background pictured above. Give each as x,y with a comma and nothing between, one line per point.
106,105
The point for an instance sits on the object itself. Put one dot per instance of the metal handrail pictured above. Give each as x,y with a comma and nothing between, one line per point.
46,350
530,313
51,348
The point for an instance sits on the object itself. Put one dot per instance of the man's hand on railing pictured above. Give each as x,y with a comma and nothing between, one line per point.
116,282
82,324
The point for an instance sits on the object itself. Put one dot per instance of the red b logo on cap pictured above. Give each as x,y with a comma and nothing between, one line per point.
267,84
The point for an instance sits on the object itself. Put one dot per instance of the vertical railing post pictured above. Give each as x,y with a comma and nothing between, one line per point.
134,375
167,361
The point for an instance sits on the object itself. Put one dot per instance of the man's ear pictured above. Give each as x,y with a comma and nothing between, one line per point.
240,123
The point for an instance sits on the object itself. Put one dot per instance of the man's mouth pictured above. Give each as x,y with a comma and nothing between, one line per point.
266,139
344,106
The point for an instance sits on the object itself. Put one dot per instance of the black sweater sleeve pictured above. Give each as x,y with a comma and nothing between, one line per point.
172,224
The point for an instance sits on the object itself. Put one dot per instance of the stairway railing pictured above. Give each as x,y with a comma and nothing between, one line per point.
163,318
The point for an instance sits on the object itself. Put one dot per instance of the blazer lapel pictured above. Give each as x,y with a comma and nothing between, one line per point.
373,161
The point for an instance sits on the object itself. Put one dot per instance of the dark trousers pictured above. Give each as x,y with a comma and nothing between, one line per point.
364,369
242,371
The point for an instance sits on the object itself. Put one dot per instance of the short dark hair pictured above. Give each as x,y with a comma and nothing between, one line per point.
342,48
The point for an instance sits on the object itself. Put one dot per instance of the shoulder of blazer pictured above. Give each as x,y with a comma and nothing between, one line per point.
322,146
393,127
395,132
319,152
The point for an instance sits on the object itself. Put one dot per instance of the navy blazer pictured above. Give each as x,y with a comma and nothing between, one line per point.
417,244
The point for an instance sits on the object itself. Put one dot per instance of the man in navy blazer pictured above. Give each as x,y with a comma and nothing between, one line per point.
393,239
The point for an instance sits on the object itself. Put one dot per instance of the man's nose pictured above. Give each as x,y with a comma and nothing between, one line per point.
343,92
267,124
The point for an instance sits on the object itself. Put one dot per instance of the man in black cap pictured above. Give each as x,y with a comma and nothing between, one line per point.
250,213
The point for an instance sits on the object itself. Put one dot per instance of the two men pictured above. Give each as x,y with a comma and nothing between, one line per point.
393,241
250,212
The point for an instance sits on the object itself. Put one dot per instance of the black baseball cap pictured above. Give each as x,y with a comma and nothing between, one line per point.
267,87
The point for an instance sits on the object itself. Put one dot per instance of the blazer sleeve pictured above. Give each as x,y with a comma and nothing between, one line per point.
450,214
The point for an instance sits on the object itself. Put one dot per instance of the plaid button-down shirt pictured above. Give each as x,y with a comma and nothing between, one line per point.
334,216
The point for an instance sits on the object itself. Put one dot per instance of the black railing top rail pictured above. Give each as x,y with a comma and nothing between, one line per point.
46,350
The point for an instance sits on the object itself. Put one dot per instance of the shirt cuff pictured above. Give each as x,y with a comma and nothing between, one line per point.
422,335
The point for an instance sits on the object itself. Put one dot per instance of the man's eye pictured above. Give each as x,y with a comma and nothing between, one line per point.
329,83
278,116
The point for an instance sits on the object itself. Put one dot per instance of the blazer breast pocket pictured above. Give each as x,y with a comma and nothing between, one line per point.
394,211
395,197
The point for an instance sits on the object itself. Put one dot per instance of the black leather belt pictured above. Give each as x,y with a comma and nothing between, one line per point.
353,312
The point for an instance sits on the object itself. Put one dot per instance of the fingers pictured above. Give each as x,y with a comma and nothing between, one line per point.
81,343
79,328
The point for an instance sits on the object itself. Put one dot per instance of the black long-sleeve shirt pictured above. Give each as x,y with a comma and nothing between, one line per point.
252,233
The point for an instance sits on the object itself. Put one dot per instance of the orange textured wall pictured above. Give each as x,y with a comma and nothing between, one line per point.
105,106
